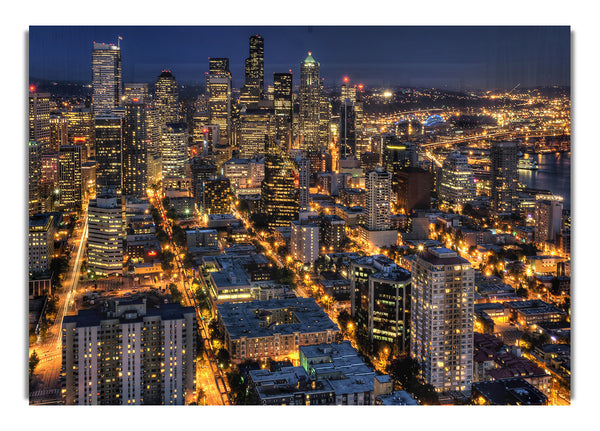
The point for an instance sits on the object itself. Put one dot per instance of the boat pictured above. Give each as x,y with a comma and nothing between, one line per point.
528,164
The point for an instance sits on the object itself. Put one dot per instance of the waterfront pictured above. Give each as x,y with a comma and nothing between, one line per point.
553,173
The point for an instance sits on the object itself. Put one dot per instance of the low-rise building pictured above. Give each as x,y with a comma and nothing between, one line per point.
273,329
534,311
198,240
515,391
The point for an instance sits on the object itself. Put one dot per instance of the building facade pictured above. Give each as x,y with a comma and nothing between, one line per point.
135,148
109,151
379,187
105,234
441,327
457,181
70,179
504,177
106,77
130,354
41,242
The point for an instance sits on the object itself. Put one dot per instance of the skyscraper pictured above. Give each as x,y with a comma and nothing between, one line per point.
39,119
303,182
504,177
279,191
324,119
309,104
35,176
135,91
129,354
69,177
109,141
106,77
441,326
166,98
105,234
457,182
80,126
253,89
135,148
174,150
58,133
256,126
379,188
283,103
218,87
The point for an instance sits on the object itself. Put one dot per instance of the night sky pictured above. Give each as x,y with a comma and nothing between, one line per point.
494,57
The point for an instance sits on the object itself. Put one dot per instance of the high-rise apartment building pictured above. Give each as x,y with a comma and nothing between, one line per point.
283,103
548,220
135,148
202,170
109,148
39,119
309,104
166,98
279,191
70,178
504,177
253,89
129,354
304,242
441,313
41,242
333,232
105,234
379,189
457,181
218,87
174,150
106,77
217,196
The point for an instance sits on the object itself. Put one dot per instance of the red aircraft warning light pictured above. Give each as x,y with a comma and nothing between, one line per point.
32,88
346,79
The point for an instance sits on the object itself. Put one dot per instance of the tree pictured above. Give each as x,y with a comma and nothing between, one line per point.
188,261
223,357
214,329
175,293
34,360
403,369
179,236
344,319
172,213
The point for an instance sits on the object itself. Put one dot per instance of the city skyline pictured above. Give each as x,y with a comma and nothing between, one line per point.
348,203
455,58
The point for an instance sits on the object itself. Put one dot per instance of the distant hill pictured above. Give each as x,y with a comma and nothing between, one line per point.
61,88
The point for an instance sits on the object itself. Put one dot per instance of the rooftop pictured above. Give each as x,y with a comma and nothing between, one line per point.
257,318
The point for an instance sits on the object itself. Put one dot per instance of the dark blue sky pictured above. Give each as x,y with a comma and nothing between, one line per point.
446,57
